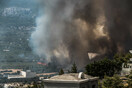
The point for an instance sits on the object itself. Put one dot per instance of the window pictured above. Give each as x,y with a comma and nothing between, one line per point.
93,86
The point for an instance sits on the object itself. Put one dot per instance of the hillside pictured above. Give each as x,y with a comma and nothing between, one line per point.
17,21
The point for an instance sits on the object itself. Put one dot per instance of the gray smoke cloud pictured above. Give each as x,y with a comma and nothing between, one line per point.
67,30
3,3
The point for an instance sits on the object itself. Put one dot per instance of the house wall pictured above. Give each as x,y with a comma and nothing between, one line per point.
89,84
61,85
23,73
93,83
126,69
30,74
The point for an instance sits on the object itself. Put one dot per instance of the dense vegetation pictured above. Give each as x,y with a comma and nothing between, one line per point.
116,82
107,66
17,21
109,69
61,72
112,82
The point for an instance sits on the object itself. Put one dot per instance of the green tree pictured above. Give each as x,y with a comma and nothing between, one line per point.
130,80
99,84
35,85
112,82
61,72
101,68
129,83
74,68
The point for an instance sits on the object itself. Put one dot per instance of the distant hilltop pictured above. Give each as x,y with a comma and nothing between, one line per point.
17,11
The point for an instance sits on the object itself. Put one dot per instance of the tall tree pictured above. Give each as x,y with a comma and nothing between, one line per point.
61,72
74,68
101,68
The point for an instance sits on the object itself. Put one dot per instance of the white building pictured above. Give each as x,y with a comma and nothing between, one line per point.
127,67
72,80
23,74
28,74
11,85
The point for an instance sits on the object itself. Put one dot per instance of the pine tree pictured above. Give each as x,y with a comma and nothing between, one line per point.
74,68
112,82
61,72
130,80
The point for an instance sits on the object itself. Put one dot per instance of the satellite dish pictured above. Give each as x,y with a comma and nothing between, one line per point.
81,75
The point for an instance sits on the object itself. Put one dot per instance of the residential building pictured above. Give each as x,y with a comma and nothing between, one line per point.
127,67
71,80
23,74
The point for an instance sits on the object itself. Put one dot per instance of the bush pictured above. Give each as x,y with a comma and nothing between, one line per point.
112,82
61,72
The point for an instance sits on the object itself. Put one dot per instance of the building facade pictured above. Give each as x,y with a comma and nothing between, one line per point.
28,74
72,80
23,74
126,68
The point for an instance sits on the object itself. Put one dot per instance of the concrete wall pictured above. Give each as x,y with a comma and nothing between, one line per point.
93,83
89,84
60,85
28,74
23,73
126,69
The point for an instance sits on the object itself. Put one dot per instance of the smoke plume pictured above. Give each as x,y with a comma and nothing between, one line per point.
68,29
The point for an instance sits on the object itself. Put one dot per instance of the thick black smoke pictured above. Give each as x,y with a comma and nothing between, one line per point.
118,23
68,29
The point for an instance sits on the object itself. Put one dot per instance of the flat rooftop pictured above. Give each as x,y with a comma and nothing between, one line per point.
71,77
15,76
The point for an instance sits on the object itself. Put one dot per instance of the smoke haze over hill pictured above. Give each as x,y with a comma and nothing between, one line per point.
68,29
